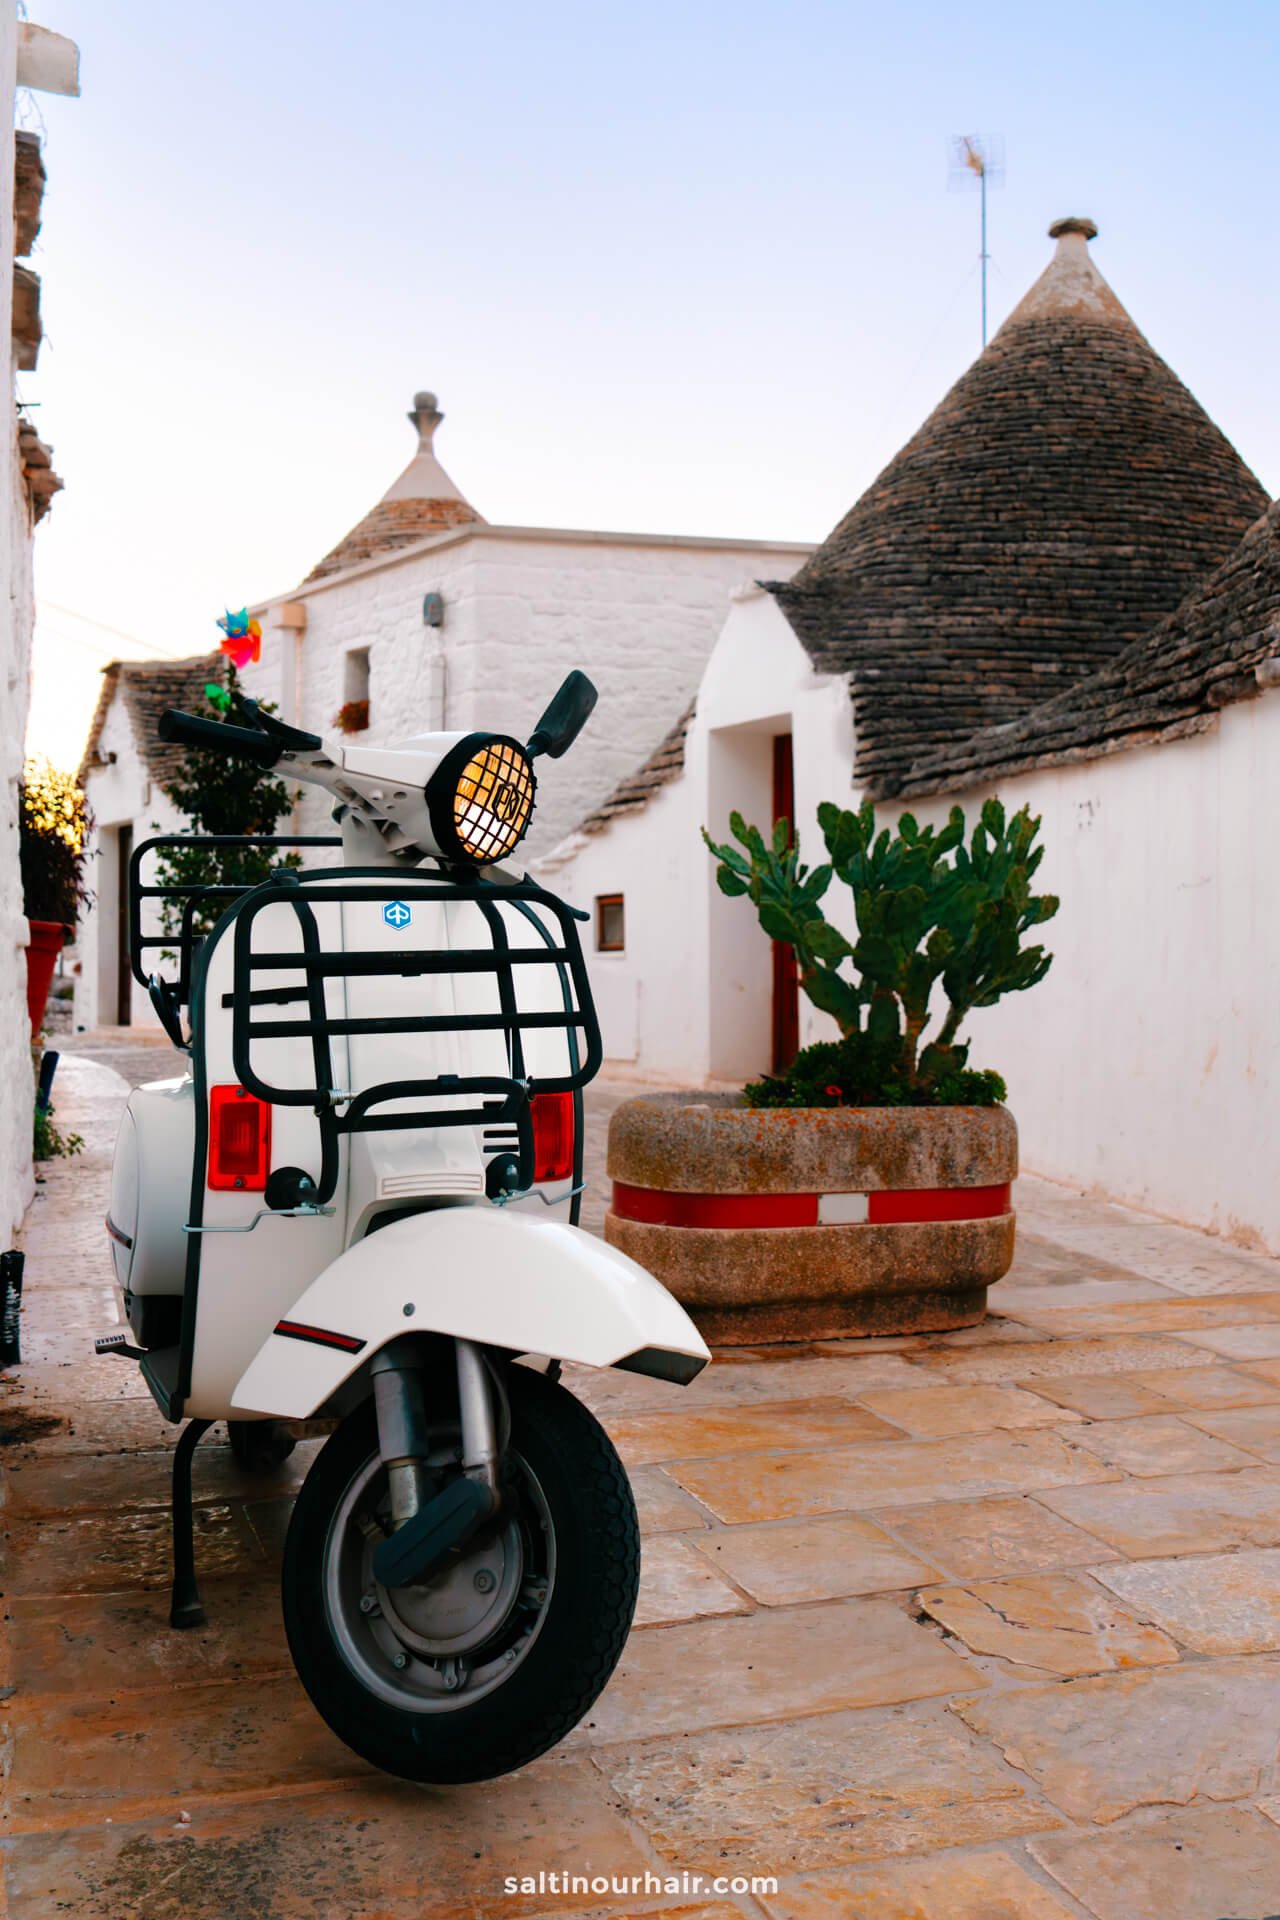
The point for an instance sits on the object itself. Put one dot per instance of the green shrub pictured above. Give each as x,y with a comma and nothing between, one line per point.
48,1142
54,825
927,910
221,795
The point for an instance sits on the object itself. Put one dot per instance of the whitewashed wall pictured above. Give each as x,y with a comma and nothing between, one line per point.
1146,1066
16,622
121,794
690,997
521,608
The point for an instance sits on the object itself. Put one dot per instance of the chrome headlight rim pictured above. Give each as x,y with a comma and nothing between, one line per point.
442,800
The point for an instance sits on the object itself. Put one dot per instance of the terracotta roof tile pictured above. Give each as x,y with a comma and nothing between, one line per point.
423,501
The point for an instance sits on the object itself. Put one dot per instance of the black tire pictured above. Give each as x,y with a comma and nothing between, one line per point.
259,1446
566,1498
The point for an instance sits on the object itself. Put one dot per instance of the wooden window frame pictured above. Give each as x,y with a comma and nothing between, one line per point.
604,900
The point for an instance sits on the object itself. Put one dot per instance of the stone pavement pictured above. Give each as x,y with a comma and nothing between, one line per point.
978,1626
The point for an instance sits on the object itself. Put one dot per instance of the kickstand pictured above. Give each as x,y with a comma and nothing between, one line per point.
185,1608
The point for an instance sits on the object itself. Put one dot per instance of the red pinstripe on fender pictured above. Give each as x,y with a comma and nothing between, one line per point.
318,1336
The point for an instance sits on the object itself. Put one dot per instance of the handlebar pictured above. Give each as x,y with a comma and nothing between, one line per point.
189,730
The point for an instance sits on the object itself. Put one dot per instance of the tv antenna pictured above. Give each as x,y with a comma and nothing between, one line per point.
977,162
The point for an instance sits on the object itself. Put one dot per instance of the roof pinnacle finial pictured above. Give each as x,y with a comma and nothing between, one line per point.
426,417
1074,223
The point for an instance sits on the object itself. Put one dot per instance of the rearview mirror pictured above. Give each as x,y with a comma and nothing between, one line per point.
565,718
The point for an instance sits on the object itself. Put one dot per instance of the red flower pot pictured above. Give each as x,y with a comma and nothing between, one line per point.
47,940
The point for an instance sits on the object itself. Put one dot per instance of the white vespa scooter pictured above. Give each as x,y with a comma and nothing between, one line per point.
361,1206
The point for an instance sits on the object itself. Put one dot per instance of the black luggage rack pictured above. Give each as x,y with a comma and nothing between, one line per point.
492,1099
185,943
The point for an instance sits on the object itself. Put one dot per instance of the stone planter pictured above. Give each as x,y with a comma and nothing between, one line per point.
814,1223
46,941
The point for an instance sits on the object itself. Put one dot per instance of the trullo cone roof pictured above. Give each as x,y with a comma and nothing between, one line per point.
423,501
1064,497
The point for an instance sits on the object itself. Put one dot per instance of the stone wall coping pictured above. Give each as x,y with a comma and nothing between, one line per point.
565,536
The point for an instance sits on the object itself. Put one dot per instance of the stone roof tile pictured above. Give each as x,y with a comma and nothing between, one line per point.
147,688
1061,500
1222,645
423,501
664,764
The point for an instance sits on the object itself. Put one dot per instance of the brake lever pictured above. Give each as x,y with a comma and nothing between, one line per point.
288,736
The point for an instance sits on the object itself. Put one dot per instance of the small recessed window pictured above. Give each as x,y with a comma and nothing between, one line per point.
355,675
610,923
353,715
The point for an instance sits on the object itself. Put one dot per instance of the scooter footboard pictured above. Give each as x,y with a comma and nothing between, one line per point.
476,1273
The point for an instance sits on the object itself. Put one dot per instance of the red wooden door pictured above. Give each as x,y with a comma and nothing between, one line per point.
786,990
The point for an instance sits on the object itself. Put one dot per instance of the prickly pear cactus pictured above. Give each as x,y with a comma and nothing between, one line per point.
928,908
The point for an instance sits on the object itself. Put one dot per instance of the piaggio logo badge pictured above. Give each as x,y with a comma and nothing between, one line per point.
397,914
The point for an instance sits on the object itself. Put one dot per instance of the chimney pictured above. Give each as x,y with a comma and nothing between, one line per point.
426,417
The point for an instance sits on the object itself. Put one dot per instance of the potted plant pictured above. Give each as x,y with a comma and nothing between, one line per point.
866,1189
352,717
53,833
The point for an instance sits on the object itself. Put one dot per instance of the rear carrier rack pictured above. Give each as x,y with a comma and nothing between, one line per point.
493,1102
195,897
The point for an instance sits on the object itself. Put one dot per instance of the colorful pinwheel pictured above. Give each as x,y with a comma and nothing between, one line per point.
243,641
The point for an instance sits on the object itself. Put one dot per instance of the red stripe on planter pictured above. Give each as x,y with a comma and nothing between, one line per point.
662,1209
937,1203
659,1208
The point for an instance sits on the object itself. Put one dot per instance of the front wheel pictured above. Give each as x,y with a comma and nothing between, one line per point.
494,1658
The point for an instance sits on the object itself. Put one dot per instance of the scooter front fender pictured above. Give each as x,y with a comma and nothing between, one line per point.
477,1273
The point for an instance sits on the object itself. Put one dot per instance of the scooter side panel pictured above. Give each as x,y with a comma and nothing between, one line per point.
248,1278
477,1273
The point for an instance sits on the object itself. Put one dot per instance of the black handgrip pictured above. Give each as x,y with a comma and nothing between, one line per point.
279,730
189,730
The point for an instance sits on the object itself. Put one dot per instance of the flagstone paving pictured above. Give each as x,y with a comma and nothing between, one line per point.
1063,1623
1210,1864
977,1539
980,1626
1255,1428
1214,1602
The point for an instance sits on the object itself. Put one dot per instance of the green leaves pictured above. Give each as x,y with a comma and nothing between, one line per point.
786,897
221,796
927,910
826,941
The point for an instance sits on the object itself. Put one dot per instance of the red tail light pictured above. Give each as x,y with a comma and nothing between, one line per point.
552,1115
239,1140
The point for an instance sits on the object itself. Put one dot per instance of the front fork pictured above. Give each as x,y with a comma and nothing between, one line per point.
403,1435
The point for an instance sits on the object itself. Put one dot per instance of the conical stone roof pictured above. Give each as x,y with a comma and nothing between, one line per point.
1064,497
1221,646
423,501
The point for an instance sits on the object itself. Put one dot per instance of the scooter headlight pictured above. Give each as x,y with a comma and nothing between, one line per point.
480,798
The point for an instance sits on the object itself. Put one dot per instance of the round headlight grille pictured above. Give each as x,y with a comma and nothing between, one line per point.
492,800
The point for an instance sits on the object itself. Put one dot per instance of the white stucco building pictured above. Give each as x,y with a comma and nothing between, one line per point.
29,57
124,772
432,618
1065,589
440,620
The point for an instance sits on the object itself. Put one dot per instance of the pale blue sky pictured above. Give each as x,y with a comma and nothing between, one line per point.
679,268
